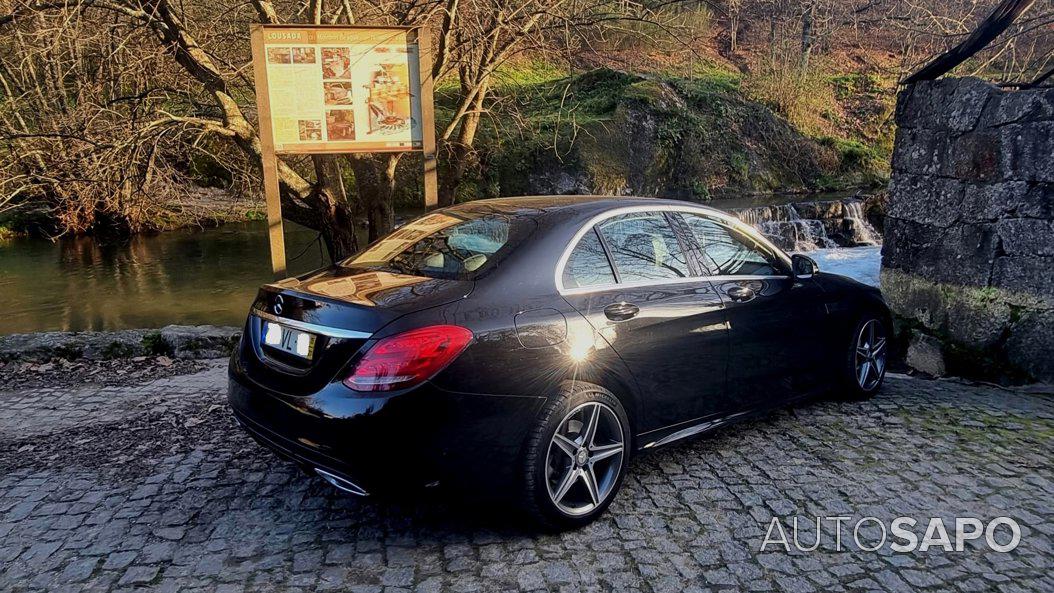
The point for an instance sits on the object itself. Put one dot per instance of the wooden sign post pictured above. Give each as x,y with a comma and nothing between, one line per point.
335,89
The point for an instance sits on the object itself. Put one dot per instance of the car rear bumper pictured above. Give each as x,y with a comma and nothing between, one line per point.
404,439
332,470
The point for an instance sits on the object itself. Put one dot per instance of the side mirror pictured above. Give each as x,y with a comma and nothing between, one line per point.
802,266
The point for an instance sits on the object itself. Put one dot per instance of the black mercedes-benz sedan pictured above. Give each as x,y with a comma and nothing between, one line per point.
529,347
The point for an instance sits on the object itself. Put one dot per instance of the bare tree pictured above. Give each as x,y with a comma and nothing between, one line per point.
208,43
998,21
107,105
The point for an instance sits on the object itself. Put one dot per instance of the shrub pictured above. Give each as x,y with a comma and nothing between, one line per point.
804,98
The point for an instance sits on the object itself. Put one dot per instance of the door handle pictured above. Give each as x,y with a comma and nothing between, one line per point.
741,294
621,311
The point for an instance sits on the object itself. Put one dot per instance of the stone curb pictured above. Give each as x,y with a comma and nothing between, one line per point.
177,341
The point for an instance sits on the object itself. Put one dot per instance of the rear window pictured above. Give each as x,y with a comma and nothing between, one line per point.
451,245
588,264
644,247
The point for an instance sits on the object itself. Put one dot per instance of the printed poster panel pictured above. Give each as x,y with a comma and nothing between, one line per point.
342,89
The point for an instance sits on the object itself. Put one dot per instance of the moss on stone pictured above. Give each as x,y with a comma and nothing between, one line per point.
608,131
154,344
972,323
118,350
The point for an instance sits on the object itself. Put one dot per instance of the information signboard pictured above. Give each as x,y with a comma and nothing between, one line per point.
327,89
342,89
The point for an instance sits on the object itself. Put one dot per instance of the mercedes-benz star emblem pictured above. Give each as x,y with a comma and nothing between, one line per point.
278,305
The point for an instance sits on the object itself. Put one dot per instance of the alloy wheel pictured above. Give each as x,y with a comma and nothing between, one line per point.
585,458
870,355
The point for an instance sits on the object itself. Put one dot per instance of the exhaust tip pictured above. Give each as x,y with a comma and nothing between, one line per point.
340,483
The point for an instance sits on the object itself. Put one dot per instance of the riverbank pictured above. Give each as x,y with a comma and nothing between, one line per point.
192,207
184,342
118,358
202,208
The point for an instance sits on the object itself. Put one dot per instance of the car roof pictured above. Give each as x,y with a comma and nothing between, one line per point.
587,205
566,217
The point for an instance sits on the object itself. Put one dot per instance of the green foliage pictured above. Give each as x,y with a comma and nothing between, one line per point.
525,76
867,101
852,153
7,233
706,80
695,137
859,164
700,191
739,166
207,171
588,97
22,221
117,350
853,84
154,344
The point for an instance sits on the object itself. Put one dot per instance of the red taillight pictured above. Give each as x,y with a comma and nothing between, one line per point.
406,359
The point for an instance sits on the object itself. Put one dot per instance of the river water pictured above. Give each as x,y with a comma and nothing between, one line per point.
189,277
183,277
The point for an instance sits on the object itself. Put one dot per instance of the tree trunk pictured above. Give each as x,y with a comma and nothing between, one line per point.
375,182
337,223
772,39
733,26
807,36
304,203
462,155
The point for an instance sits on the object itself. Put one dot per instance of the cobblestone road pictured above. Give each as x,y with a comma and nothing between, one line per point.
153,487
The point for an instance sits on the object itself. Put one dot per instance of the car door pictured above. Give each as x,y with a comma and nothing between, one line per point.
630,276
775,321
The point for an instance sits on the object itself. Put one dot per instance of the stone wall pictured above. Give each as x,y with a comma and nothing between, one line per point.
179,341
968,256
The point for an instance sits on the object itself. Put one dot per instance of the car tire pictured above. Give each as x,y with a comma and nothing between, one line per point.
571,475
864,362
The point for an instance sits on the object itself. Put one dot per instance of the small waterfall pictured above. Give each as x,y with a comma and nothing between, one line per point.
784,225
807,226
854,211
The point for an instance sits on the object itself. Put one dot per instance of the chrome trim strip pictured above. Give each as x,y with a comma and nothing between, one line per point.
702,210
733,277
667,281
332,332
343,484
693,430
682,434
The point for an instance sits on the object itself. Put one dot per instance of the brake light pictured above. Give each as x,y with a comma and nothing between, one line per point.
409,358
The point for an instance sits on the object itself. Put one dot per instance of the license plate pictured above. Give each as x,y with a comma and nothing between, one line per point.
289,340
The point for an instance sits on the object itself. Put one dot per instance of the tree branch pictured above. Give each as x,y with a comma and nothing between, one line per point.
1002,17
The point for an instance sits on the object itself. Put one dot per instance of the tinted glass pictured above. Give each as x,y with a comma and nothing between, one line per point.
588,265
731,253
445,245
644,247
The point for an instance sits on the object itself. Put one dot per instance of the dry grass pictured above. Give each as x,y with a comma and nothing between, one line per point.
806,98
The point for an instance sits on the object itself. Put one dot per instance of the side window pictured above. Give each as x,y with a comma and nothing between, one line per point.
644,247
732,252
588,264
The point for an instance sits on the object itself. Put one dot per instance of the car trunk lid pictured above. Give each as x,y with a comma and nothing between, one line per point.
338,308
